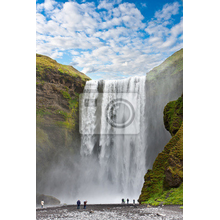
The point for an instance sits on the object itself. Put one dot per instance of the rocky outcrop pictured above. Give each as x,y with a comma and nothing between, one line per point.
48,200
173,115
166,176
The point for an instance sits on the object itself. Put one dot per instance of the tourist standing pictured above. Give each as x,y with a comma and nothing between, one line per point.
78,204
42,203
85,204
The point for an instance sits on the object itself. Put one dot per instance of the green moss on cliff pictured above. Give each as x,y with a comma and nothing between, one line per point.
173,115
166,175
163,184
174,196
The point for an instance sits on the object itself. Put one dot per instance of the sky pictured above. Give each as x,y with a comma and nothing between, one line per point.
109,39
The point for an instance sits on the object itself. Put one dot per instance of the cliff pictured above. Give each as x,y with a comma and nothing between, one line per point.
57,94
163,184
163,84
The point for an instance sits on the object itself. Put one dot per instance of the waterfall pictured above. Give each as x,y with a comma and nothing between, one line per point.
113,149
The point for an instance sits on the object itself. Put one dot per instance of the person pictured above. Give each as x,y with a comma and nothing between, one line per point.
78,204
42,203
127,201
85,204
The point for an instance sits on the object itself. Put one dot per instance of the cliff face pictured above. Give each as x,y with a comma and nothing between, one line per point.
163,84
164,183
57,95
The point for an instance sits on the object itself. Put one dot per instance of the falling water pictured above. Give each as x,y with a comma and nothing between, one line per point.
113,143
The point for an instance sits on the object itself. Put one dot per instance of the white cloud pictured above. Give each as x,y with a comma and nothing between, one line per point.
107,4
144,4
56,54
167,11
161,36
110,43
173,35
74,52
89,70
48,5
154,39
177,29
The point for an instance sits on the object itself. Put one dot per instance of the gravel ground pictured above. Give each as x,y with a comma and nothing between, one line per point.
111,211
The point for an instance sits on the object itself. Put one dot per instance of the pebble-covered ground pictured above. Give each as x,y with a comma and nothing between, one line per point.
102,212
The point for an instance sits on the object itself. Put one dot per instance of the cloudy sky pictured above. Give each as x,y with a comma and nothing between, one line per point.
109,39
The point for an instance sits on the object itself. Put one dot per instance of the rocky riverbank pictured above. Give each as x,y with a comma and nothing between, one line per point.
111,211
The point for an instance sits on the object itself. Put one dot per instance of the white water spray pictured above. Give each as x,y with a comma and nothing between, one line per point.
113,160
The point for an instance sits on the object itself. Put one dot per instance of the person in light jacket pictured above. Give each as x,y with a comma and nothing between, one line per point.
42,203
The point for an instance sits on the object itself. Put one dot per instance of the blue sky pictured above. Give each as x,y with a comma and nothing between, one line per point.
109,39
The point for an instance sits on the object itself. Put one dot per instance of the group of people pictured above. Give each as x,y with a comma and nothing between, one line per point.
79,203
85,202
123,201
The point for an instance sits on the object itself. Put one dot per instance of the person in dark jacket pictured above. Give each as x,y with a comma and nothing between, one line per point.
78,204
85,204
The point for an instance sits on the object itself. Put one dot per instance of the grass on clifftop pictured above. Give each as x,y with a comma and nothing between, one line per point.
45,65
172,65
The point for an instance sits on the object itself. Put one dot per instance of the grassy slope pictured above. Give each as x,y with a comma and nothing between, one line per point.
167,170
167,78
45,65
175,61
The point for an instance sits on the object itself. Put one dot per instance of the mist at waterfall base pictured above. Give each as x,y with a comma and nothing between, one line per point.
111,163
114,156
